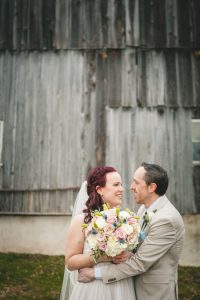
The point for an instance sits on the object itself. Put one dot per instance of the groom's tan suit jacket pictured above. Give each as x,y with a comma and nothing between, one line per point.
154,266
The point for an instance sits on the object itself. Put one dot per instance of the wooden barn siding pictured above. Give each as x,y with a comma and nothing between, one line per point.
38,202
56,126
150,78
93,24
45,144
196,179
142,134
61,24
163,24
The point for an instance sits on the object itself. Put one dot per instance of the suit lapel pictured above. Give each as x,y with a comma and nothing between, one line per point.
141,211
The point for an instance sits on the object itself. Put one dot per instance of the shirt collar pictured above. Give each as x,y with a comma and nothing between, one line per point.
153,205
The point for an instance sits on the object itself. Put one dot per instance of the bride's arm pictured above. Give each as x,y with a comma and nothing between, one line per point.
74,258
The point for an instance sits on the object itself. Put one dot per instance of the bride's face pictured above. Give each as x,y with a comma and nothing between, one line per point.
112,192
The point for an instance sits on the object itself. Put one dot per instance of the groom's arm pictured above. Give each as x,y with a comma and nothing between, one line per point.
161,237
89,274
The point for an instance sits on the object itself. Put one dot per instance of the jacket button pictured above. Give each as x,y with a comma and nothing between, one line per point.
111,279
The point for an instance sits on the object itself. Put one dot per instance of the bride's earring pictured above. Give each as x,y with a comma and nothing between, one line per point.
102,197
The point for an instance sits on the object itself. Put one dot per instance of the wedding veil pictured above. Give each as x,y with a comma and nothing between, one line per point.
81,199
70,277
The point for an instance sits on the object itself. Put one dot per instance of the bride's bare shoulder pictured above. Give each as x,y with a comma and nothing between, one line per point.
78,219
75,233
75,226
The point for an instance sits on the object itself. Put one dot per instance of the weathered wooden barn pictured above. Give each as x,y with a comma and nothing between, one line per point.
94,82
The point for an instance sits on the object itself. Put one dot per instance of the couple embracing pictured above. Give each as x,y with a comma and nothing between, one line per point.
148,273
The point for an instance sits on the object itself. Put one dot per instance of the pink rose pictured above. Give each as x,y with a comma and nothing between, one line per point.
108,229
132,238
111,219
101,237
102,246
132,220
120,233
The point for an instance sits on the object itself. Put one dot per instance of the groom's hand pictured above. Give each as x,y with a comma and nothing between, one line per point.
122,257
86,275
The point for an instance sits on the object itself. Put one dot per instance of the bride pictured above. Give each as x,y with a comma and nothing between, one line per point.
103,186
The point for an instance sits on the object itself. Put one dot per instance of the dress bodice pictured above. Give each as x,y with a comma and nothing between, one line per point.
86,248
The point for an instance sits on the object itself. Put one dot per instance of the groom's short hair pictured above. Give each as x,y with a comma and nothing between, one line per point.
156,174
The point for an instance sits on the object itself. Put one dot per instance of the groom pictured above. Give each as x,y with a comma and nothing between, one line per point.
154,265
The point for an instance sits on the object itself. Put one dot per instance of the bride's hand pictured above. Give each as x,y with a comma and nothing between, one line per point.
100,259
122,257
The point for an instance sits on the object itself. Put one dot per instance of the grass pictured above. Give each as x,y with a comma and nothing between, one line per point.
26,277
189,283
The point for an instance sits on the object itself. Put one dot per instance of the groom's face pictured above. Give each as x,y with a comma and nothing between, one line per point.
139,187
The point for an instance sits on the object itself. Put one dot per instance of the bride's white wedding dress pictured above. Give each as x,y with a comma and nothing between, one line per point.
97,290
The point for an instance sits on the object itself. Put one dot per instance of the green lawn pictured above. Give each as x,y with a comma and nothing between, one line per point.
28,277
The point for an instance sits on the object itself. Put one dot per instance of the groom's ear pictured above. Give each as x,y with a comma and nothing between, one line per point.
152,187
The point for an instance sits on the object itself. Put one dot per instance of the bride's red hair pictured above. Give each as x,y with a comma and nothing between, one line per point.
96,177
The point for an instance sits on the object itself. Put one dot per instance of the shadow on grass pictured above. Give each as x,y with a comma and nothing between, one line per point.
27,277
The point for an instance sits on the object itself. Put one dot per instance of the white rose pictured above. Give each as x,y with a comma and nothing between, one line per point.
92,241
127,228
110,212
100,222
114,247
89,228
138,228
124,215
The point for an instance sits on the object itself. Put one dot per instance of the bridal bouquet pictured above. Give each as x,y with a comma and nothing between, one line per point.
112,231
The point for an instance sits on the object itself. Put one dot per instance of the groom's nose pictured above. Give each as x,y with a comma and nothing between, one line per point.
133,186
